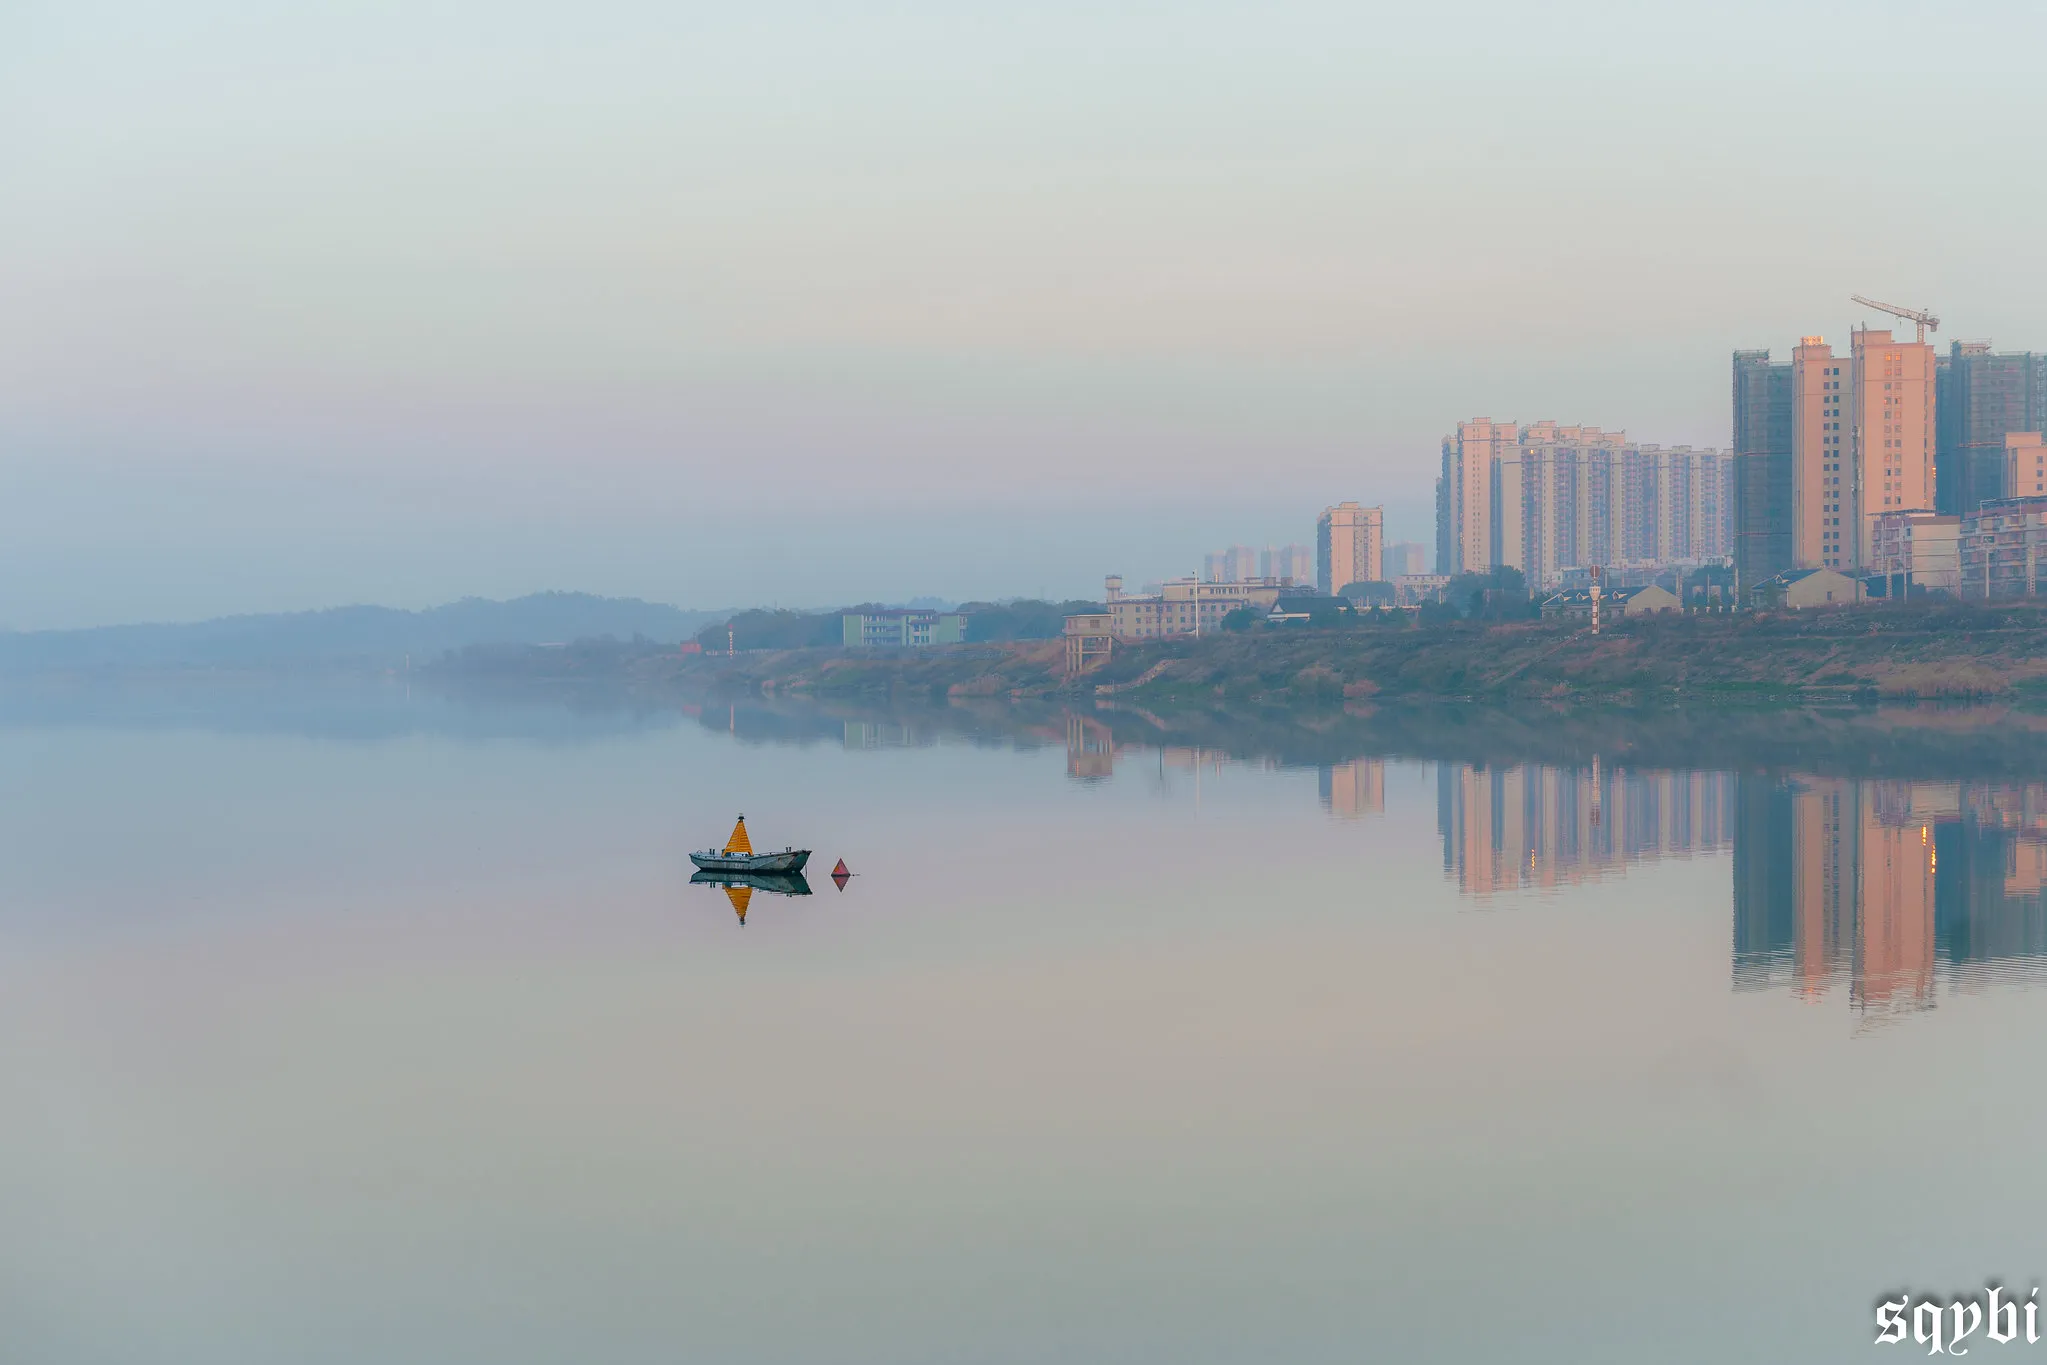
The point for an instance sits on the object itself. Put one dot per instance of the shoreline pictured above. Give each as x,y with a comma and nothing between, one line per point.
1912,652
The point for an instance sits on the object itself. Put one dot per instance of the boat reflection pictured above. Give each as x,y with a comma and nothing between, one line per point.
740,886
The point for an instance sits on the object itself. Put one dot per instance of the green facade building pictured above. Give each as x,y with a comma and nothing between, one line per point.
902,629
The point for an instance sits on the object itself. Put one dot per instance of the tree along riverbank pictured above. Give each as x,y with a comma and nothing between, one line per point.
1906,651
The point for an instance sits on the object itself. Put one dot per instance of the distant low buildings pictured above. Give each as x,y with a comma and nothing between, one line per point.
1090,640
1917,548
1799,589
1302,609
901,629
1183,606
2025,465
2003,547
1413,589
1643,600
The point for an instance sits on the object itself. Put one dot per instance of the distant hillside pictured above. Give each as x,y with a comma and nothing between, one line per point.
347,637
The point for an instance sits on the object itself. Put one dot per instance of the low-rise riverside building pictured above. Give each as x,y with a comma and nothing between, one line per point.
901,629
2025,464
2003,547
1089,641
1801,589
1413,589
1574,604
1183,606
1635,573
1302,609
1916,548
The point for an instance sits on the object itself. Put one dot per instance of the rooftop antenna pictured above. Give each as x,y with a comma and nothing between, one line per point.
1926,322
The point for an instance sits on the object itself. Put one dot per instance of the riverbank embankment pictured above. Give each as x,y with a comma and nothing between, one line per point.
1941,651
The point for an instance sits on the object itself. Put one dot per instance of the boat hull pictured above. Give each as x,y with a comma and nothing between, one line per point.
789,861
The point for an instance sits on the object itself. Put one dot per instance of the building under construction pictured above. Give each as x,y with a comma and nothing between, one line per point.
1984,396
1762,467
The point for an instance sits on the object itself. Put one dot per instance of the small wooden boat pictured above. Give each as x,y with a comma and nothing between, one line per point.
738,856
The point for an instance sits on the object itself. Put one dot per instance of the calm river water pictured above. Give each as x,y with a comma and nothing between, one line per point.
360,1028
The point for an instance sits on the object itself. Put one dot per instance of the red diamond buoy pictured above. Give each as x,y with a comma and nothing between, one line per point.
840,874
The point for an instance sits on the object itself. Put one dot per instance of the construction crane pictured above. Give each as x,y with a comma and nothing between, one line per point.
1926,322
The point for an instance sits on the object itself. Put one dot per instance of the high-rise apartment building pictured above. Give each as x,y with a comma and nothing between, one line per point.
1443,535
1238,564
1569,478
1823,491
1292,562
1560,497
1894,428
1762,463
1349,546
1406,557
1693,502
1983,396
1482,472
1862,443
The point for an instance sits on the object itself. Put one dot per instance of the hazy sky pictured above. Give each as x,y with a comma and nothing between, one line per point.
310,303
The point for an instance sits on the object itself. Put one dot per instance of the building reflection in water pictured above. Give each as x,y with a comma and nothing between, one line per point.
1090,749
1509,827
1354,789
869,734
1883,890
1888,887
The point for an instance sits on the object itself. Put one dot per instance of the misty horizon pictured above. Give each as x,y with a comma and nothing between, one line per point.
349,306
